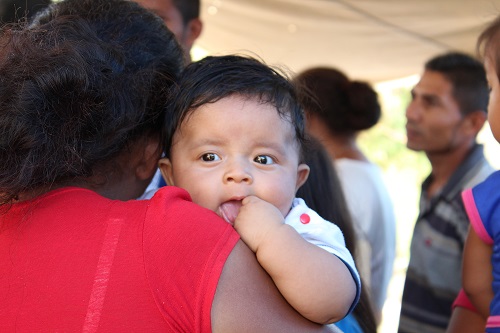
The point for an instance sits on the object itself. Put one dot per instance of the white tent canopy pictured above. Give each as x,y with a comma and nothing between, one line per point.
373,40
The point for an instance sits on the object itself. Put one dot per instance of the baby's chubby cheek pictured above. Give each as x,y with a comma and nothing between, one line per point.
285,207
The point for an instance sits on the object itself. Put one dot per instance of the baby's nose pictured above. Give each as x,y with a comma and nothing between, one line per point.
238,174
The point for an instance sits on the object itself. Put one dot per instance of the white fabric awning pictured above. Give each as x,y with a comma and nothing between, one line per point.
373,40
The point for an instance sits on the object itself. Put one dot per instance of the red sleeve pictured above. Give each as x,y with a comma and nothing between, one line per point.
185,248
463,301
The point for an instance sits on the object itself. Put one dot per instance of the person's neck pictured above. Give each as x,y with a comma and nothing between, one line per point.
112,190
343,147
30,195
443,166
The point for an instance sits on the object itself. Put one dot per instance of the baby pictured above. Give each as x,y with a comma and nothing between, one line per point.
235,135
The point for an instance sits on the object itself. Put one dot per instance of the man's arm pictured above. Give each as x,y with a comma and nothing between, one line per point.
247,300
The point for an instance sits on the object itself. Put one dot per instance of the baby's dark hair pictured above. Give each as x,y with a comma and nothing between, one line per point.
214,78
345,106
78,86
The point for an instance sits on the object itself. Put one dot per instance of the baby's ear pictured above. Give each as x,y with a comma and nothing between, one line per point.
166,170
302,174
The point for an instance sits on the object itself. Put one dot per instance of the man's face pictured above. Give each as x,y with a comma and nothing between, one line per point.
434,120
172,18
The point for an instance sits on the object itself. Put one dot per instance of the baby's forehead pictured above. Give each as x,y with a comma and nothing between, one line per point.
239,101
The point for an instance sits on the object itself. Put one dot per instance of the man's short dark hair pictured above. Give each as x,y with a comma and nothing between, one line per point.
468,78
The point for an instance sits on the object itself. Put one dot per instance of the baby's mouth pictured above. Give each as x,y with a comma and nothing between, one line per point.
229,210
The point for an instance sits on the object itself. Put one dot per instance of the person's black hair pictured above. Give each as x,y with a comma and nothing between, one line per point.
345,106
214,78
189,9
12,11
467,77
79,86
322,192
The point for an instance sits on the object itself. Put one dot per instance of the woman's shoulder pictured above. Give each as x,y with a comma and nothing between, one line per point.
171,210
176,202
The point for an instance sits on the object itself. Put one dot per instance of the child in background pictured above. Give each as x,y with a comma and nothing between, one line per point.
481,266
234,142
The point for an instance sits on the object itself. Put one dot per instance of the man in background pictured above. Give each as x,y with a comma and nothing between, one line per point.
447,110
182,17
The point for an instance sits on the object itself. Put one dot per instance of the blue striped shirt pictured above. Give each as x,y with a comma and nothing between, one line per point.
433,278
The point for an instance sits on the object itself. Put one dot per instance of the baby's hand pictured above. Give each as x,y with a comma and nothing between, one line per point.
257,221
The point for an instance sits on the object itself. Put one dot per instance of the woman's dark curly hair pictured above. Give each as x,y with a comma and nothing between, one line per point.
77,86
345,106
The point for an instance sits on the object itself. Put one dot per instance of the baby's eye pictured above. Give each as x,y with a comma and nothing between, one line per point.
263,159
210,157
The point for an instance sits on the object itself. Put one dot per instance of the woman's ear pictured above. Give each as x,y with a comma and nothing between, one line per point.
302,174
147,165
167,170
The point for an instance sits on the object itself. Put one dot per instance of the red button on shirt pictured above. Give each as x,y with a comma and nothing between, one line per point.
304,219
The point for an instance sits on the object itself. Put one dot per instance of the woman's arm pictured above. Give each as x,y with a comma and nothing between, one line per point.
477,273
247,300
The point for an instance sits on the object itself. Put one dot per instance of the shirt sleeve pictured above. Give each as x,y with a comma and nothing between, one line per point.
324,234
482,204
474,216
462,301
185,249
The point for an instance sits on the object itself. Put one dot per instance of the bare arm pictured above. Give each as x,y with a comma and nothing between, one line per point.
247,300
465,321
315,282
477,273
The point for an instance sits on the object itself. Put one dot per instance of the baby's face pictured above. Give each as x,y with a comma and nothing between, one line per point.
235,147
494,102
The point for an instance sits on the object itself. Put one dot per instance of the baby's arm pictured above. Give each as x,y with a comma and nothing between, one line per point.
315,282
477,272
